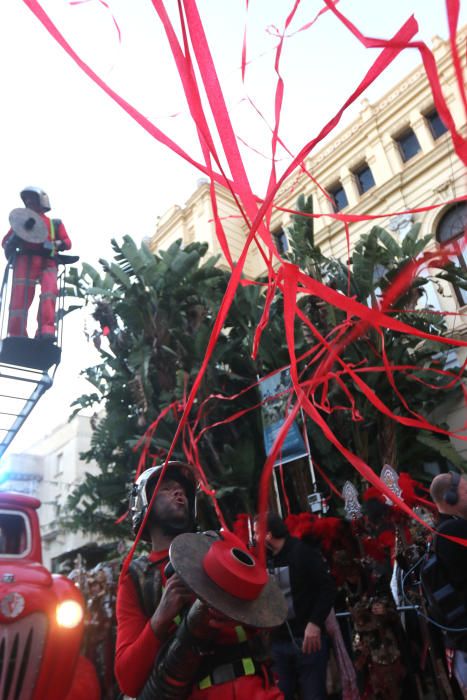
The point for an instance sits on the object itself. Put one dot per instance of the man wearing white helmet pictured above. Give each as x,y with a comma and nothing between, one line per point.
170,646
145,614
35,262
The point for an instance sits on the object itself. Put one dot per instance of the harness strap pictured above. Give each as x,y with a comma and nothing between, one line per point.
54,226
148,582
229,672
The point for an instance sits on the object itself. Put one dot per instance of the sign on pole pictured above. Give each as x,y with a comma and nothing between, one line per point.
275,391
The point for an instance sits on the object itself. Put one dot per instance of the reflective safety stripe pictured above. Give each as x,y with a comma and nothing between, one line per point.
248,666
23,281
241,634
52,237
205,683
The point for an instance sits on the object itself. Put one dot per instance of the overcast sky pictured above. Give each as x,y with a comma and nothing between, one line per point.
104,174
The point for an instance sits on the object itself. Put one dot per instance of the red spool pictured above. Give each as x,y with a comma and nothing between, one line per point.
234,569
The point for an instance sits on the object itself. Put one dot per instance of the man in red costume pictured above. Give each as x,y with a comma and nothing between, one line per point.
35,262
170,646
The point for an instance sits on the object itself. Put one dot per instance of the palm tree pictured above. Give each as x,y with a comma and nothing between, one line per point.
155,314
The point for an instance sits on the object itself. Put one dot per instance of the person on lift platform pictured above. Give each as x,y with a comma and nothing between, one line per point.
31,246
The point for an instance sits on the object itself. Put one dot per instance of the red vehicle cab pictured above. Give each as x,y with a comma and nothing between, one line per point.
41,614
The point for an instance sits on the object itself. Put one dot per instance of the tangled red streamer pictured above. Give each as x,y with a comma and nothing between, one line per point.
287,278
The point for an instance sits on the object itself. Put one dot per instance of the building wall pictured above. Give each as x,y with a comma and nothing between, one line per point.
23,475
435,175
49,471
194,222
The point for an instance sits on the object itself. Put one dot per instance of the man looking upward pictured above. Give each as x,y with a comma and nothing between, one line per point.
170,646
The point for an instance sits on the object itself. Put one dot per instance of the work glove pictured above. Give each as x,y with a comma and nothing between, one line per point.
56,245
12,244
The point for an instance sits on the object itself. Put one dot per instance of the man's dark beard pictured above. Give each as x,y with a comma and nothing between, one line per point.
174,526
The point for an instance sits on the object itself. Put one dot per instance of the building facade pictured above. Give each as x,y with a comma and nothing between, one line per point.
395,156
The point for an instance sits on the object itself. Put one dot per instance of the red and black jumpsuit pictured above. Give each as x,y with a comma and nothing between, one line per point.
137,648
33,264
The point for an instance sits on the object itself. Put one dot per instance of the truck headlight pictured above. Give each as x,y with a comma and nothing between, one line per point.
69,614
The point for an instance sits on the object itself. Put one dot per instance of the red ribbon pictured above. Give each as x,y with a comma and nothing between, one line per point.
256,214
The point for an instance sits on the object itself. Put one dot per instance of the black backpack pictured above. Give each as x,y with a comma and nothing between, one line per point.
446,604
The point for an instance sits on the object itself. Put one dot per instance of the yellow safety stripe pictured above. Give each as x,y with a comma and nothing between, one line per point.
248,666
248,670
52,237
205,683
241,634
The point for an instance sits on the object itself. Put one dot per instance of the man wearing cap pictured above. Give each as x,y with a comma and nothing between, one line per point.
449,492
169,644
34,262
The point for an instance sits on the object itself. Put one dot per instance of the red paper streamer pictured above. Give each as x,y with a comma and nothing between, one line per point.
107,7
288,278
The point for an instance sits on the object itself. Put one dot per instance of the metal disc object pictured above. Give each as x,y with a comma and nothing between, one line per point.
268,610
28,225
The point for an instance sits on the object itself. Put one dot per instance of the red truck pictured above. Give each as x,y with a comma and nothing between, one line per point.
41,615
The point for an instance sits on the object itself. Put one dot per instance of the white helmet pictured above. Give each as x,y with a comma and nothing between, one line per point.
43,196
141,495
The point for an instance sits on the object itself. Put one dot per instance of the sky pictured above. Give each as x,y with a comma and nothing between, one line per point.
105,175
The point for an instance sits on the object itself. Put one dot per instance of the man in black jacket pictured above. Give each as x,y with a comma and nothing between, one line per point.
449,492
299,646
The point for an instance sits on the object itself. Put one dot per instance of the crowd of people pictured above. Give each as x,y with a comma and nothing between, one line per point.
368,612
360,619
98,586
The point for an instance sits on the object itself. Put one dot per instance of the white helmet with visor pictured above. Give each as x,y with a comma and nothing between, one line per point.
143,489
44,201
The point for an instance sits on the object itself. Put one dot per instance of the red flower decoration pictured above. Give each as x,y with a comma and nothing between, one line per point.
373,493
240,527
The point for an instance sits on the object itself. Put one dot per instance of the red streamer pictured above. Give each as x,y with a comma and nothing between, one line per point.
288,279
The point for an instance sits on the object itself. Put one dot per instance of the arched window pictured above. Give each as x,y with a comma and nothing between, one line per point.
451,229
